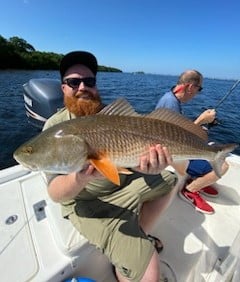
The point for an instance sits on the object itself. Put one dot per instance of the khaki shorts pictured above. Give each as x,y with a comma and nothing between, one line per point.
111,222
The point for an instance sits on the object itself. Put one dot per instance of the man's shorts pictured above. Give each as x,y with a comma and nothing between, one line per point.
197,168
111,222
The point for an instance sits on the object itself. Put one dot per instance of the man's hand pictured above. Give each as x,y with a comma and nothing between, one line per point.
157,160
90,173
207,116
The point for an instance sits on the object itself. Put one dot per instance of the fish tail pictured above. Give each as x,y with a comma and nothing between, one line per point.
220,157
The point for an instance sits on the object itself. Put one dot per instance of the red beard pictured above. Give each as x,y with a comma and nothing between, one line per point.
83,107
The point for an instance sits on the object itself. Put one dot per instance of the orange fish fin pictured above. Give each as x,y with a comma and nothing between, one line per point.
106,168
124,170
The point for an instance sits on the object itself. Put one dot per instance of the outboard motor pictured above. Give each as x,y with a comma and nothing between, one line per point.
42,98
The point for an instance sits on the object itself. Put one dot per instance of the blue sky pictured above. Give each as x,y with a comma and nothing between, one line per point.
154,36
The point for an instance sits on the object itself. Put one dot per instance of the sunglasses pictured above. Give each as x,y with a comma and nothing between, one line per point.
199,88
75,82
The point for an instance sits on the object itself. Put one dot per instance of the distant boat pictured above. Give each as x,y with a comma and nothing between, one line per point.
139,72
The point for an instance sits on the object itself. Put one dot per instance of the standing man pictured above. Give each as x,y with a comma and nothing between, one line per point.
200,172
113,218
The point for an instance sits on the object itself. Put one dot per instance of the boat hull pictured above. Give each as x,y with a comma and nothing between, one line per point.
39,245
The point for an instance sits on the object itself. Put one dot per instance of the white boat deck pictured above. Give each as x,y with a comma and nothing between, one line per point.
195,243
38,245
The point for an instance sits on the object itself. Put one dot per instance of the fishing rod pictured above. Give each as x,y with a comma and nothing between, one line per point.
227,94
215,122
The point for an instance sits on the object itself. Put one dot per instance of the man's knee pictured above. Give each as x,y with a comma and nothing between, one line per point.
170,178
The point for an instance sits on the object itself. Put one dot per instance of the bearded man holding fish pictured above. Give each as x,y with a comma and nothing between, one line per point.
115,217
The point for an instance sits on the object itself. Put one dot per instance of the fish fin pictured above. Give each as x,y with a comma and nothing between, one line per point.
119,107
106,168
219,159
170,116
124,170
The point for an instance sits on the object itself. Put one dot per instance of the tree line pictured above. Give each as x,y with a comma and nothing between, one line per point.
17,53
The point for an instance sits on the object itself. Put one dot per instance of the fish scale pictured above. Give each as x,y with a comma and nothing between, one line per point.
134,135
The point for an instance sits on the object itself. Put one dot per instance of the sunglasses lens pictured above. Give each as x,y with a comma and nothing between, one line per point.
75,82
89,81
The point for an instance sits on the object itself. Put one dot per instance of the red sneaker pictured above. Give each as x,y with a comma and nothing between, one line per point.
196,201
209,191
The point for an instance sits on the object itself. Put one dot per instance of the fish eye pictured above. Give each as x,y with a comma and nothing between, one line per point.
28,150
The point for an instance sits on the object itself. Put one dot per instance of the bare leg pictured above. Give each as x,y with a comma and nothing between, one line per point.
181,167
151,210
202,181
152,273
205,180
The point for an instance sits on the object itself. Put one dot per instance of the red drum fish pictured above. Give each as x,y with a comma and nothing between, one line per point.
114,139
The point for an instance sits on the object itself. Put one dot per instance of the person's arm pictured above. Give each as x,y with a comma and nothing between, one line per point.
66,187
207,116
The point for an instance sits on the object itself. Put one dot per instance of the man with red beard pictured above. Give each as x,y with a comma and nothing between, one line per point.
113,218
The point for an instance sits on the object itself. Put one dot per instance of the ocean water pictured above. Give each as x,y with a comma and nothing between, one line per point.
141,90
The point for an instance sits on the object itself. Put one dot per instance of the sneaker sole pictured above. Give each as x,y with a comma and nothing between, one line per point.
191,203
201,211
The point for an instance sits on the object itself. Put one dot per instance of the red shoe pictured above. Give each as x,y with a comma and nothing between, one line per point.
209,191
196,201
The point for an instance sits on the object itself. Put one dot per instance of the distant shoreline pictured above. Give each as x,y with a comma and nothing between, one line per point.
17,54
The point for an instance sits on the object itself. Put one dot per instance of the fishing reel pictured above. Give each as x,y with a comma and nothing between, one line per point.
215,122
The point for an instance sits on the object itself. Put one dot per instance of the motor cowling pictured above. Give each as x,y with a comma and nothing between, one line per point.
42,98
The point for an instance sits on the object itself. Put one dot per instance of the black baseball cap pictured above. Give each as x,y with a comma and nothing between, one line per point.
78,57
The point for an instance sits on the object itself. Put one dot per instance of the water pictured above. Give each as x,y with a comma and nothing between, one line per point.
142,91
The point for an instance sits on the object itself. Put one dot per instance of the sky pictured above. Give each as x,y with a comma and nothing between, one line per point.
153,36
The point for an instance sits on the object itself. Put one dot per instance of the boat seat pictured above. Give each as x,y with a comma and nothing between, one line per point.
67,238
